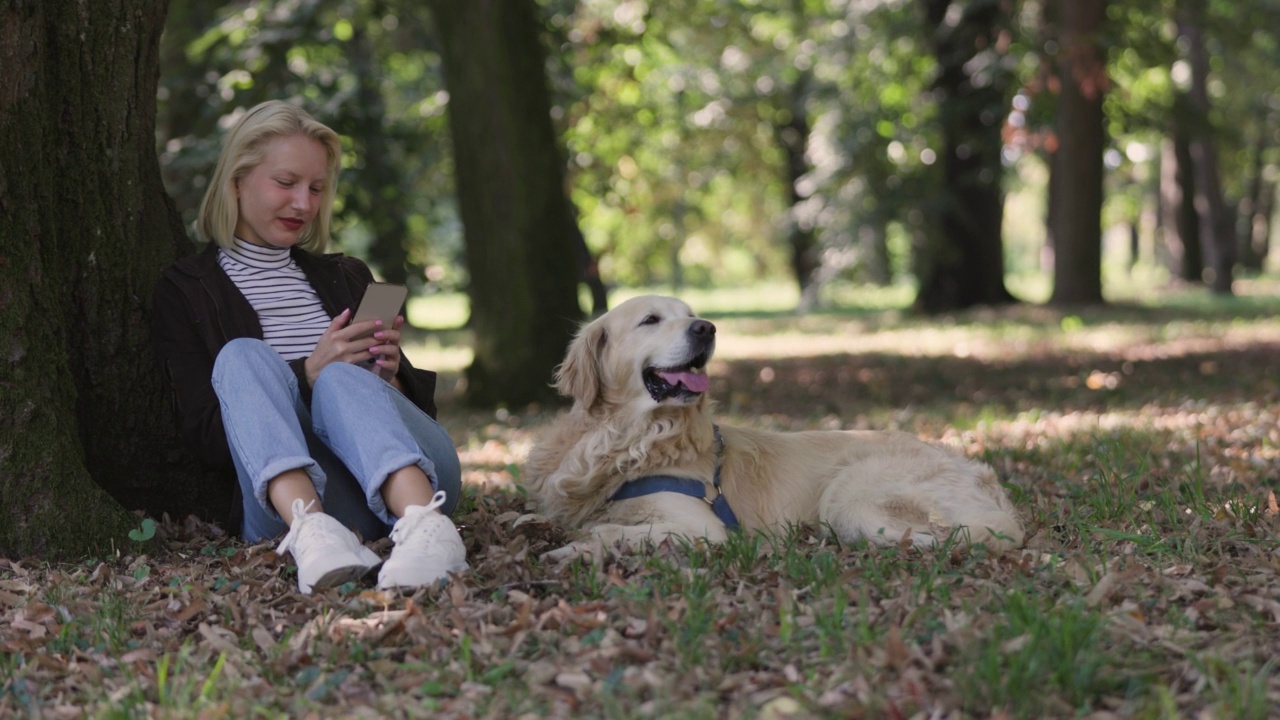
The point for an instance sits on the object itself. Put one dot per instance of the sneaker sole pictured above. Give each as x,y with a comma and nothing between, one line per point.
343,575
434,578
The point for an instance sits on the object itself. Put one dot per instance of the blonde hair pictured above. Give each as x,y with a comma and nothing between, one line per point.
242,152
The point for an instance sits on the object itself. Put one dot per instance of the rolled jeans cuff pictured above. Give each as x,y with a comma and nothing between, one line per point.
373,491
283,465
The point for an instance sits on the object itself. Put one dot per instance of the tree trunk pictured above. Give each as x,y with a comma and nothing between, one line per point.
1261,223
1211,207
1077,216
510,179
85,228
1052,205
793,137
1179,228
1252,243
376,192
1046,36
964,261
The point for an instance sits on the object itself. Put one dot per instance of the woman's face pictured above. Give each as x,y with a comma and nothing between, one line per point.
280,196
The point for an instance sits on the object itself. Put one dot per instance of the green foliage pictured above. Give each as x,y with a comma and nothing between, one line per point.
144,532
667,108
672,117
1039,654
177,687
367,68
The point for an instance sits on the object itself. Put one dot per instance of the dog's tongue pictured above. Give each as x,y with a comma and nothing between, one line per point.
693,382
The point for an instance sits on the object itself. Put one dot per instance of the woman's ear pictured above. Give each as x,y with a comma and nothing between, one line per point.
578,376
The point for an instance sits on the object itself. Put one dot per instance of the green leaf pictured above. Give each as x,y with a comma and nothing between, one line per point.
145,532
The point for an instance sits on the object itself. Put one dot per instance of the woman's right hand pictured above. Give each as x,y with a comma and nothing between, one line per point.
342,343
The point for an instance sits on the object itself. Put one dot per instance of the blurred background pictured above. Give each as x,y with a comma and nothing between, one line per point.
952,152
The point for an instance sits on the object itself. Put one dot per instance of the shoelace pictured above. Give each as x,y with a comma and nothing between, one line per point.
403,530
298,526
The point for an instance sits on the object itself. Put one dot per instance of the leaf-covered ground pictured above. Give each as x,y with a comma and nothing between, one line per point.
1140,445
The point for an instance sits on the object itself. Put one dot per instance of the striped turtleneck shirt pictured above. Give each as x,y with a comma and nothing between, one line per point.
288,308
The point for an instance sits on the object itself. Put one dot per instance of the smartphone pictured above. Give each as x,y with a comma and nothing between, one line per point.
381,301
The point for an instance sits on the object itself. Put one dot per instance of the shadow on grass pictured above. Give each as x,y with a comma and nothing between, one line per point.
847,385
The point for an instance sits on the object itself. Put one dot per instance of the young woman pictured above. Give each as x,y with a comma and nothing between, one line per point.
327,426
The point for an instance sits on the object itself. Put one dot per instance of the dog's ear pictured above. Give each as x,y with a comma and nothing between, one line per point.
578,376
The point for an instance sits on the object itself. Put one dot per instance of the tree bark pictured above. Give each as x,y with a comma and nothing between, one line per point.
376,192
1179,228
1077,215
793,137
1210,204
511,194
963,264
1253,226
85,228
1262,223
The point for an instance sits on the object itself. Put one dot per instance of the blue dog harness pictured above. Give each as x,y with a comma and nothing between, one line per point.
651,484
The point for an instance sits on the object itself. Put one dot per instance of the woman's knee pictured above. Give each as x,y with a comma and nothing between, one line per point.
342,380
248,359
244,355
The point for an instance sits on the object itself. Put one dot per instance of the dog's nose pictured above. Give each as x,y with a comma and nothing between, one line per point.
702,328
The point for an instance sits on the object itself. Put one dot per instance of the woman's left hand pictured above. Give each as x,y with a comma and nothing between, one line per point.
386,353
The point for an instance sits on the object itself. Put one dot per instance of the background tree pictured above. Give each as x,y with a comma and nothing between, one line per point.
519,230
1216,232
1076,206
1257,205
1157,120
670,116
963,263
368,68
888,141
1179,221
660,119
85,227
377,194
1254,105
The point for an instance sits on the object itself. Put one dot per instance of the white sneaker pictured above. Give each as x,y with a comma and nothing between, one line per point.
326,552
428,548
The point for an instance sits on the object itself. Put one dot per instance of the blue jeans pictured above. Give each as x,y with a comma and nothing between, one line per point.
358,430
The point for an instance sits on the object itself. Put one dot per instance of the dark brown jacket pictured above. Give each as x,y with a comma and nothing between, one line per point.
197,309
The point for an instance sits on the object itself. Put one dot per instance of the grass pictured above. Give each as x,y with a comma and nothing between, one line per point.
1139,442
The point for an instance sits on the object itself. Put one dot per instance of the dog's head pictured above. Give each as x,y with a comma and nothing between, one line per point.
650,349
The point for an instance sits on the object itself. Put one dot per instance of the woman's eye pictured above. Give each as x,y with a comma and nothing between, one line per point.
284,183
649,320
316,190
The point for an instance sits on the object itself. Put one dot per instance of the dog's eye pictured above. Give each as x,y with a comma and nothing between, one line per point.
649,320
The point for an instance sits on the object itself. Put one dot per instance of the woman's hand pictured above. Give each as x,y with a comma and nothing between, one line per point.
350,344
387,351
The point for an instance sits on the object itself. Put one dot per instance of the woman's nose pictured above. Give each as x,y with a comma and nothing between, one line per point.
302,199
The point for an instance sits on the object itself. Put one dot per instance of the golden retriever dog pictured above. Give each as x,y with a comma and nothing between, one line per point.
639,457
